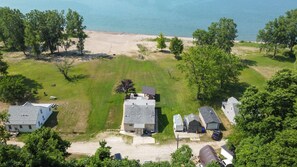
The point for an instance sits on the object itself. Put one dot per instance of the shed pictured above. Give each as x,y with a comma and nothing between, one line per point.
178,124
230,109
227,153
207,154
192,124
209,118
149,91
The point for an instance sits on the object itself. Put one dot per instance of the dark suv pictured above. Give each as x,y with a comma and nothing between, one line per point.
217,135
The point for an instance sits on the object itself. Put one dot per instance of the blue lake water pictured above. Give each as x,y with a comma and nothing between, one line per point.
172,17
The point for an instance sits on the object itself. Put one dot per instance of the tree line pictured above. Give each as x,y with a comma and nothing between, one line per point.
40,31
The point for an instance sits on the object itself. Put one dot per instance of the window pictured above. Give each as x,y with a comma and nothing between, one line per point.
30,127
43,118
9,126
130,124
21,126
41,111
38,123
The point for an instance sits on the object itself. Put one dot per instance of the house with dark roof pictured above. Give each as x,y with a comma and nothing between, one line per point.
192,124
28,117
139,114
207,155
231,109
150,92
209,118
178,124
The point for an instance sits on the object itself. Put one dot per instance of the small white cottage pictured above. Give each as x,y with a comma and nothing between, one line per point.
230,109
28,117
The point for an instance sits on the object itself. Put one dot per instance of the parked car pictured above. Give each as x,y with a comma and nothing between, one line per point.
217,135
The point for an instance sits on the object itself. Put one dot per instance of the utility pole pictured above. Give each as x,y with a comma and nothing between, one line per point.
177,141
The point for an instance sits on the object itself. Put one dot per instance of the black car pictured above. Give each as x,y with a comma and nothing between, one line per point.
217,135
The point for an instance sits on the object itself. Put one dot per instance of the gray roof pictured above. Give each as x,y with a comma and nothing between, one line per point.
177,119
191,117
209,115
139,111
148,90
233,100
207,154
19,115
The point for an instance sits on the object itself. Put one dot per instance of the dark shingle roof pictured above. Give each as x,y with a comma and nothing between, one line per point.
23,115
209,115
148,90
207,154
190,118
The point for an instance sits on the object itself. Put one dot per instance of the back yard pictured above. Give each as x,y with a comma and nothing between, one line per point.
90,105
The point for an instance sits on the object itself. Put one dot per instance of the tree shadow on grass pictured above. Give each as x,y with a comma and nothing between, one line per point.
282,58
76,78
247,62
162,120
52,121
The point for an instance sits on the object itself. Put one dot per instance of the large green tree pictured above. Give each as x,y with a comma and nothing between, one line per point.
220,34
12,29
4,135
182,157
265,131
11,155
209,69
3,66
45,146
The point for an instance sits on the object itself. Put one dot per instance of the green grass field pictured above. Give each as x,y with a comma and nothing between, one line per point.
90,105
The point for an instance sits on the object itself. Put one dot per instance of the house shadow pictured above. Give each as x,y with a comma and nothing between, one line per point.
158,97
161,119
52,121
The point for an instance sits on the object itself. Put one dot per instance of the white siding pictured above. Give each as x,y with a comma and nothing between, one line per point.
24,128
43,116
226,154
229,112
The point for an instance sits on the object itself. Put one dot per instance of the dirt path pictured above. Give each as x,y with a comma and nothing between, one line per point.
148,152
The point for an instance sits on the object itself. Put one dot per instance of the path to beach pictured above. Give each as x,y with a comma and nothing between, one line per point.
143,152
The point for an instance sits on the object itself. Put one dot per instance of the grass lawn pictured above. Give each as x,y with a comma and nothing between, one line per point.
90,105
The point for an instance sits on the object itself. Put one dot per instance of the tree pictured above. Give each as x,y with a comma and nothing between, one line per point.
209,69
4,135
182,157
12,29
126,86
291,23
64,68
157,164
161,42
11,155
176,46
3,66
17,88
213,164
220,34
75,28
44,146
142,50
265,131
103,152
273,35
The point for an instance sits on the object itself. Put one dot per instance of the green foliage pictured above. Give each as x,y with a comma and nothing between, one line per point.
3,66
75,28
220,34
157,164
17,88
11,155
64,68
103,152
4,135
281,32
12,28
182,157
213,164
176,46
161,42
142,50
265,131
209,69
44,146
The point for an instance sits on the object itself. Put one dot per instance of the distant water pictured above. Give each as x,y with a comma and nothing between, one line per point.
172,17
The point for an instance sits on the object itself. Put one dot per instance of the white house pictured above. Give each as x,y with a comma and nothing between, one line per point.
230,109
178,124
28,117
139,114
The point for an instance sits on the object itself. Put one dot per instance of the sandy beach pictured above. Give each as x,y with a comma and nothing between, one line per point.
122,43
